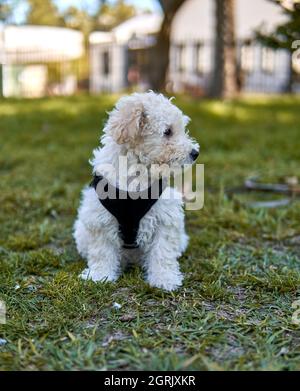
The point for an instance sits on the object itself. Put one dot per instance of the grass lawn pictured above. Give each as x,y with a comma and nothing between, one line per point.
242,268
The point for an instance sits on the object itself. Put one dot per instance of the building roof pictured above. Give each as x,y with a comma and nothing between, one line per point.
139,25
41,43
101,37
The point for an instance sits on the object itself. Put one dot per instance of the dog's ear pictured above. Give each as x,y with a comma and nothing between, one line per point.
126,121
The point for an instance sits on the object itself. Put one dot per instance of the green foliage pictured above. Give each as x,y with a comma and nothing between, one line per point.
241,268
5,10
8,8
78,19
43,12
110,15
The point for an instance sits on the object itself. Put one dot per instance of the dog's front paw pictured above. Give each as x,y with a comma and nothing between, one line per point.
168,282
98,275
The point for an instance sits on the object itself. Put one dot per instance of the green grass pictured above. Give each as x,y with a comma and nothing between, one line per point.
241,268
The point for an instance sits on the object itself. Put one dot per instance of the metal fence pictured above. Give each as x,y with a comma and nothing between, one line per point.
260,69
114,68
33,74
109,68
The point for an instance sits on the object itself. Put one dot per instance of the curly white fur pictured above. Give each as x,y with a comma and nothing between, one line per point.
135,129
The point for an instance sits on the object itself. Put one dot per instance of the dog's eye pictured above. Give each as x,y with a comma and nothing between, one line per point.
168,132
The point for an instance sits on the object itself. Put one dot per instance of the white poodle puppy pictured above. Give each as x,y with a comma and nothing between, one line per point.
147,130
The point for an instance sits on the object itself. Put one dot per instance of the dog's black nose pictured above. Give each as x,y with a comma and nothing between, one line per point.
194,154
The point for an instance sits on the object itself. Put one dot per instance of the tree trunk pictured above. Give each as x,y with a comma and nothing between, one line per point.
290,82
224,78
161,51
1,78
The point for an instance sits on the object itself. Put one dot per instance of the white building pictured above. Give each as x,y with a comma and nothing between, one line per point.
120,57
26,53
113,54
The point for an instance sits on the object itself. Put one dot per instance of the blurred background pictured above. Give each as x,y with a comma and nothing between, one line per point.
201,47
234,68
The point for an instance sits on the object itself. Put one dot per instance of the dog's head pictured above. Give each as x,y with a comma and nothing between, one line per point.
149,125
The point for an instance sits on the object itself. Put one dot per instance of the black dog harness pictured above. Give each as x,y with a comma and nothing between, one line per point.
128,208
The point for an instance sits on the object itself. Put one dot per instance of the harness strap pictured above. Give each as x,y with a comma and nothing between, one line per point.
127,207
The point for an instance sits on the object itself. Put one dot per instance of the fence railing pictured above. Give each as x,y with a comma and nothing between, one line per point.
40,73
